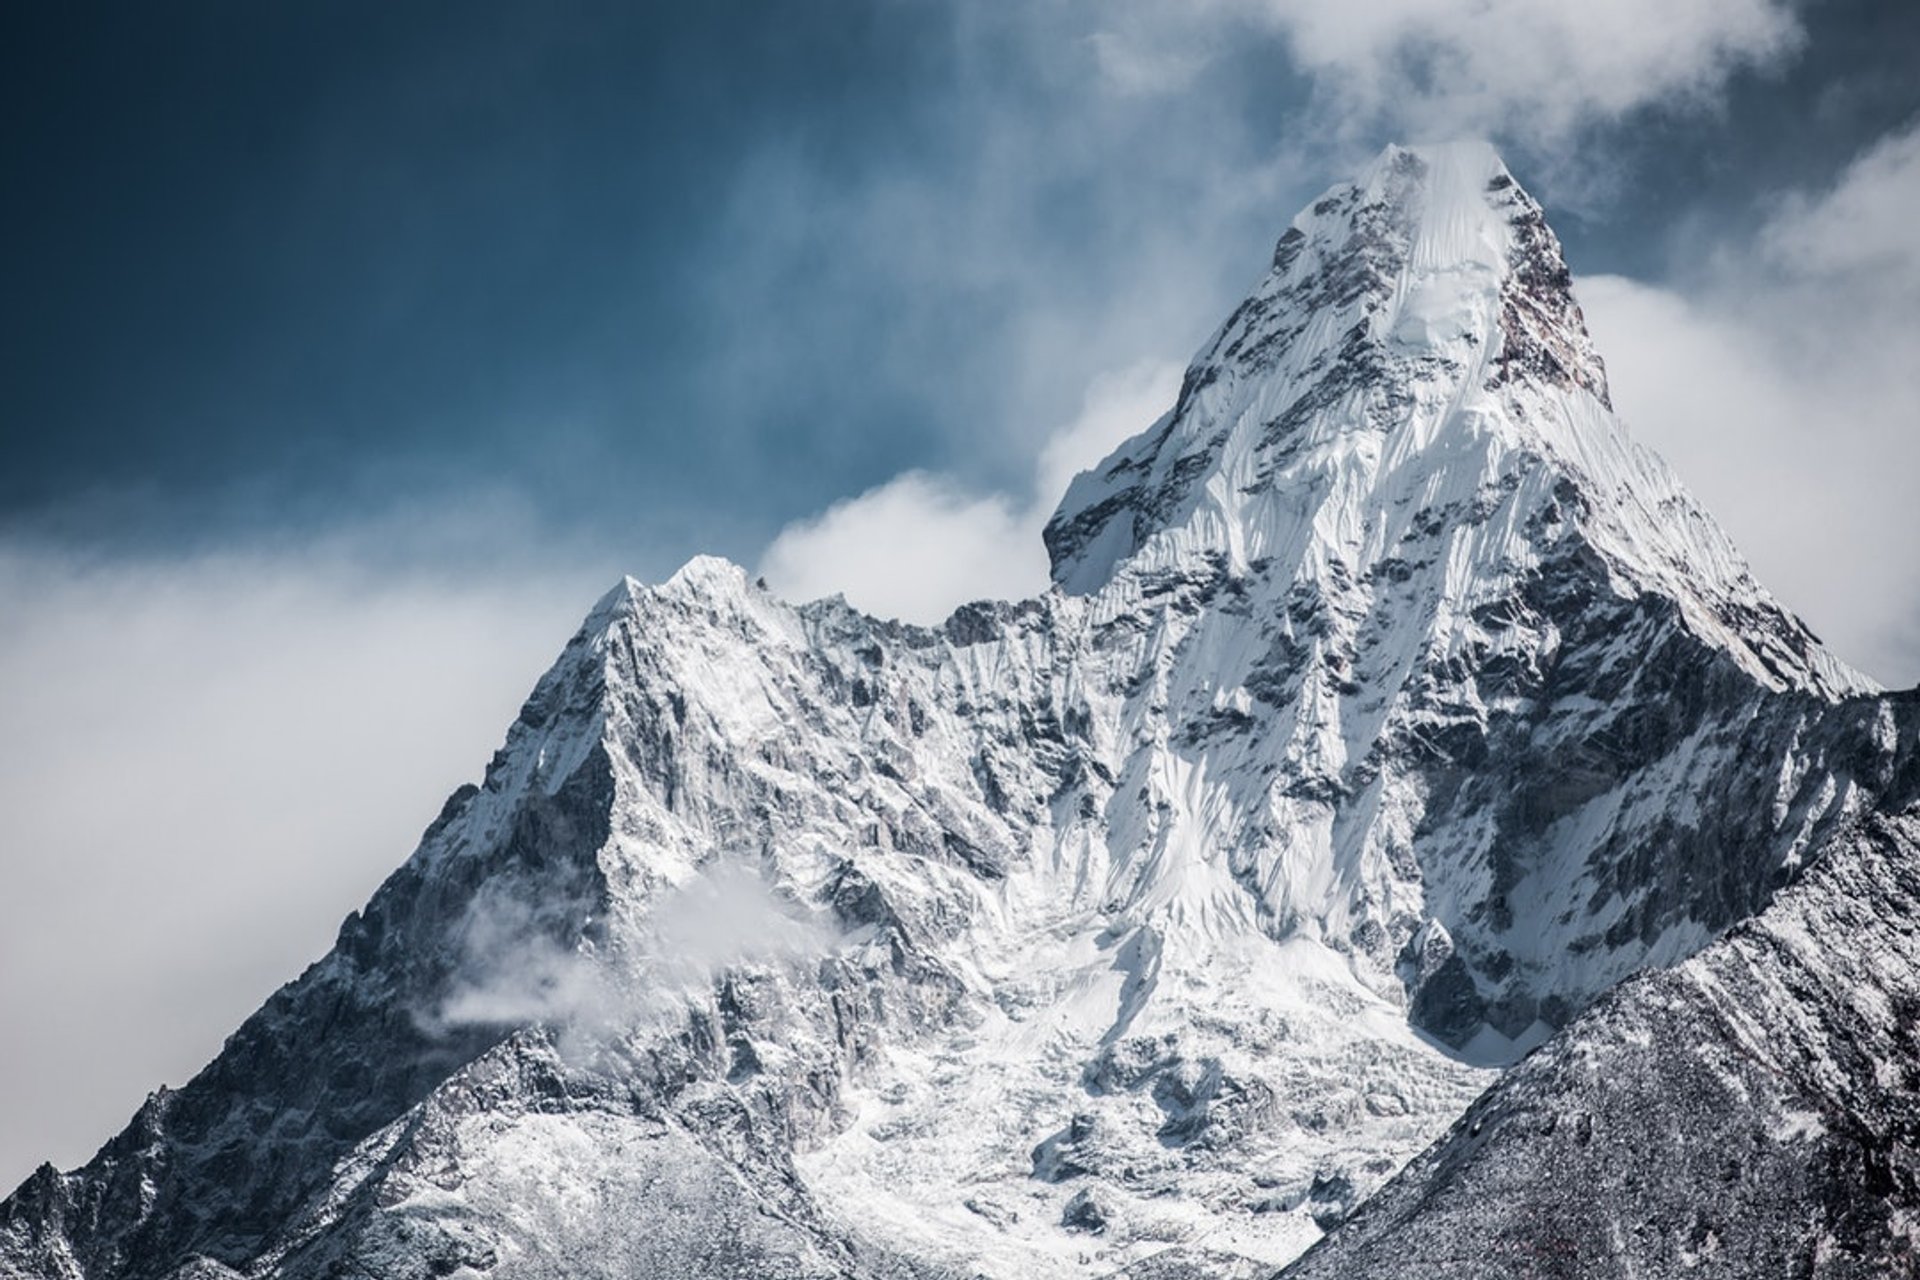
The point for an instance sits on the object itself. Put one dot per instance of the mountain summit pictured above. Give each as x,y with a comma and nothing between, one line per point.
1416,349
1390,707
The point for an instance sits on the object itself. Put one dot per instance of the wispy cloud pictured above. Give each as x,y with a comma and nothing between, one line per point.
1862,228
1535,70
666,959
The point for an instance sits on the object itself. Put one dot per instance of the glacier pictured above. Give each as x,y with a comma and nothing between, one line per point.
1390,708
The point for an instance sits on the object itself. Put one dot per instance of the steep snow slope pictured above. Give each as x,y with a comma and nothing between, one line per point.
1391,706
1754,1112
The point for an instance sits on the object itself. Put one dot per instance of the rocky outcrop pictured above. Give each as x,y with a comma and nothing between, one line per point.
1751,1112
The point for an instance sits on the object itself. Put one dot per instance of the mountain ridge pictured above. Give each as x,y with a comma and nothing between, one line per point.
1380,721
1747,1113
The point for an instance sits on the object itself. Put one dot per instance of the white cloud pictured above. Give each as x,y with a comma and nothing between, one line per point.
207,764
1864,226
1436,68
918,546
1783,389
1117,405
724,918
913,548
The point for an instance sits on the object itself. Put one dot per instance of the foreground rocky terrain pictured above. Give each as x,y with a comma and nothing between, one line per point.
1392,707
1754,1112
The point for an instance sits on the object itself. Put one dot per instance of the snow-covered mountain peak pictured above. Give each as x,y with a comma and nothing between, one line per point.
1390,706
1397,308
1412,383
709,574
1445,196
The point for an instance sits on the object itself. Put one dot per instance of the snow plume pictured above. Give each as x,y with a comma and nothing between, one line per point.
920,545
516,972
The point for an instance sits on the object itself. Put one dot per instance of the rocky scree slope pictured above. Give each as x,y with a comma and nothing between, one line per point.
1391,705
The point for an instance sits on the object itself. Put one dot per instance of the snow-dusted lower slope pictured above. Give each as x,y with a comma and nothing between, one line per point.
1754,1112
1391,706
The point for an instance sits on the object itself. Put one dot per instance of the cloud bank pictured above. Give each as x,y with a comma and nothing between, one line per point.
920,545
1782,385
208,762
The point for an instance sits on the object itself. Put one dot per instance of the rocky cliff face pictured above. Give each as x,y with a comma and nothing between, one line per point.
1390,707
1750,1113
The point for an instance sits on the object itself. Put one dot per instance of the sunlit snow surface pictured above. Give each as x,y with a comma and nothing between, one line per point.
1391,706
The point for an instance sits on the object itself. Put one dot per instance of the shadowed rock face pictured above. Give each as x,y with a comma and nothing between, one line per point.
1389,708
1751,1112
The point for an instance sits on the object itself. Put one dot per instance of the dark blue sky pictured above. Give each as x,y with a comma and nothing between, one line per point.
662,278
